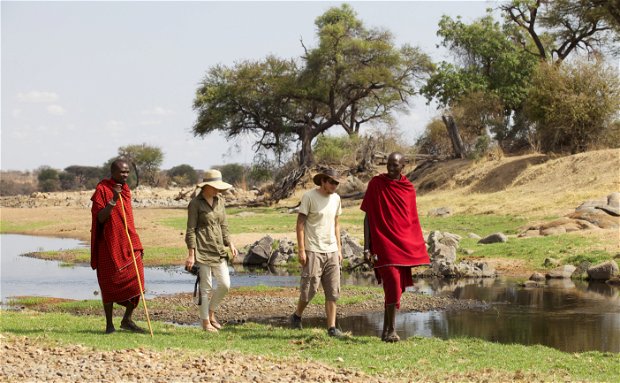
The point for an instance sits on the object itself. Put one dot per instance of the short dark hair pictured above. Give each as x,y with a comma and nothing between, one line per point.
116,164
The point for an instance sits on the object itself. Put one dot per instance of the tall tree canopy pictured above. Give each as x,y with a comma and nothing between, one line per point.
489,67
560,27
353,76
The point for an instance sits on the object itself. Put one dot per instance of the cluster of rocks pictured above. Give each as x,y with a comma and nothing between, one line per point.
442,249
142,196
590,215
607,271
269,252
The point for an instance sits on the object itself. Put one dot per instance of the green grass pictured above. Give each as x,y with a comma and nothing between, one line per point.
426,358
7,227
570,249
261,221
482,225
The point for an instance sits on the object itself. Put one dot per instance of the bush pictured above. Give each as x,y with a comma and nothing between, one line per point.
336,149
573,105
183,175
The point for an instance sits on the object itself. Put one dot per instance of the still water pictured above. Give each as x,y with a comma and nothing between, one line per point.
567,315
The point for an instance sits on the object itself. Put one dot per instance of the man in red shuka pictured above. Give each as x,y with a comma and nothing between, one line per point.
393,241
110,251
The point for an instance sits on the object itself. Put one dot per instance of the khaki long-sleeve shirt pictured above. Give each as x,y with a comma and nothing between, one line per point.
207,230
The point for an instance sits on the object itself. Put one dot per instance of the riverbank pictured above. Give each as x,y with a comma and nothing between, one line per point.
59,347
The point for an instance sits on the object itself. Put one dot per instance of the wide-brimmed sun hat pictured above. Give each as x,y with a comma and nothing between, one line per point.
330,173
213,178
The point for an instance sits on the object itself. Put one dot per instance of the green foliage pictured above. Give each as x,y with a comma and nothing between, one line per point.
573,104
145,161
183,175
233,173
48,178
336,149
354,75
435,139
553,30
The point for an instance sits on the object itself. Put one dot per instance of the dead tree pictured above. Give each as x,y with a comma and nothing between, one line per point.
286,186
455,137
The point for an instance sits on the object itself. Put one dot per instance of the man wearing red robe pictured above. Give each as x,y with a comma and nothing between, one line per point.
393,240
110,248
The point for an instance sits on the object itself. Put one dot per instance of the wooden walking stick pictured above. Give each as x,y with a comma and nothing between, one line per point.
135,264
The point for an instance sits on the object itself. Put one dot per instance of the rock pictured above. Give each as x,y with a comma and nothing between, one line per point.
551,262
603,271
440,212
561,272
474,236
582,270
351,249
613,200
442,246
538,277
597,217
259,252
494,238
613,281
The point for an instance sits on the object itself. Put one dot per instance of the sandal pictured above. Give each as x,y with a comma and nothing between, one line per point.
216,324
210,329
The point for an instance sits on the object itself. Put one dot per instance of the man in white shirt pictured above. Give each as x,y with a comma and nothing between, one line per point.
318,241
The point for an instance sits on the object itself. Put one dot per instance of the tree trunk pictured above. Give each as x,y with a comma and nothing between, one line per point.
455,137
305,154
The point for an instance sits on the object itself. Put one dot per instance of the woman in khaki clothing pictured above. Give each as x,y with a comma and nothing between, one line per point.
207,237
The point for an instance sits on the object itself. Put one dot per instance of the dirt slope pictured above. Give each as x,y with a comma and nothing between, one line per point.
533,184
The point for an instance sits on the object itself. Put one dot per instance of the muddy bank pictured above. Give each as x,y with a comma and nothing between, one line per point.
275,303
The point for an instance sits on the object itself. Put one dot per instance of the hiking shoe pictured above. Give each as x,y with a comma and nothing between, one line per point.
295,321
333,331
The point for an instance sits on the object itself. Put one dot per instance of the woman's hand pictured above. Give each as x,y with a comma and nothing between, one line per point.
234,250
189,261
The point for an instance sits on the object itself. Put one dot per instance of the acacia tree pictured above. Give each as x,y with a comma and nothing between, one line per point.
559,27
144,159
353,76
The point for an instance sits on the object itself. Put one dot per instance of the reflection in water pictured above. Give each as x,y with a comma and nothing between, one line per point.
569,315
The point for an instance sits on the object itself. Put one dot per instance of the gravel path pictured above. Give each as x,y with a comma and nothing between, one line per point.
28,360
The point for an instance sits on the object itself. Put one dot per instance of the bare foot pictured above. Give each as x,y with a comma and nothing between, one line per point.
131,326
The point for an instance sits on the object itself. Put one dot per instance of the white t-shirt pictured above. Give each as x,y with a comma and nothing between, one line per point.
321,212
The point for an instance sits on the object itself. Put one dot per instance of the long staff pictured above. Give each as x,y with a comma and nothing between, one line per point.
135,264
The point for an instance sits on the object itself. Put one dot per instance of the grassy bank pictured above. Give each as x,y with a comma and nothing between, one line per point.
529,252
415,358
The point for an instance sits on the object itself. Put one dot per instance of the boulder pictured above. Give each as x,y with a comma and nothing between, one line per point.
259,252
551,262
440,212
561,272
603,271
494,238
582,270
351,249
538,277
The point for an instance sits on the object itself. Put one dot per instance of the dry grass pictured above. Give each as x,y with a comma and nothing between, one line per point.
532,186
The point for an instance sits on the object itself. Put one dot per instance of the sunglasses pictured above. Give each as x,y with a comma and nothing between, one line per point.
333,182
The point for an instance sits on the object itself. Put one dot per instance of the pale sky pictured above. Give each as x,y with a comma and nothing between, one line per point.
81,79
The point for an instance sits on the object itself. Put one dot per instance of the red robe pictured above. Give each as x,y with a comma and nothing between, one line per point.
395,232
110,252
